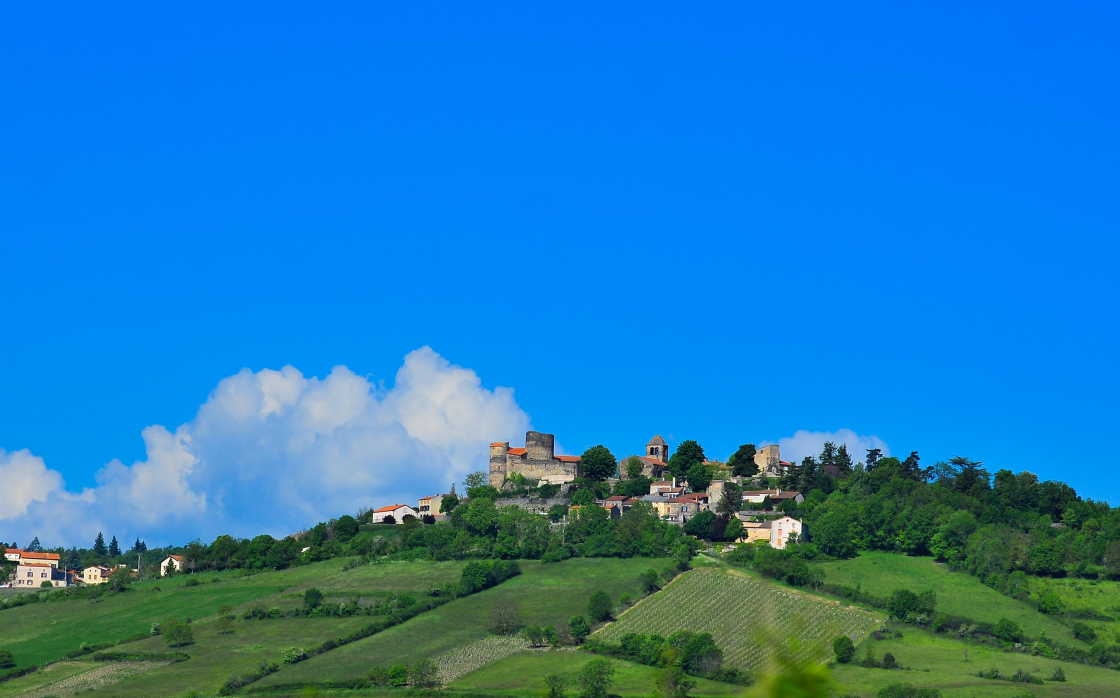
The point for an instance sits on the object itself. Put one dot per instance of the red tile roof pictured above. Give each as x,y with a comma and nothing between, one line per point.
176,557
10,551
568,459
517,451
40,556
616,498
498,443
34,564
391,507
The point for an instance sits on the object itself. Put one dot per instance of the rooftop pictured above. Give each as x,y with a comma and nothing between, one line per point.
391,507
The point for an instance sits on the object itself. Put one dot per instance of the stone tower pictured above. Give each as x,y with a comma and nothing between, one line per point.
657,449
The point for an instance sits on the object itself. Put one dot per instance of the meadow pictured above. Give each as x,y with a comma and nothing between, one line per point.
958,594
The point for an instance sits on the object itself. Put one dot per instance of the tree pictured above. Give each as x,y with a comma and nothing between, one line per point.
114,548
36,548
742,461
675,683
312,598
579,629
599,607
649,580
475,479
424,673
688,454
844,649
701,525
843,461
534,635
176,633
505,617
346,527
119,579
6,659
224,624
699,477
873,456
730,499
73,560
481,516
556,685
139,547
448,503
889,662
633,467
1008,630
901,603
597,463
596,678
98,545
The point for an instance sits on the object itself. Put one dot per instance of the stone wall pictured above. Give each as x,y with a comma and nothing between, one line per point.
533,504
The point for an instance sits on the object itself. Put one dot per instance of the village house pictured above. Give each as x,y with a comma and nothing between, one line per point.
758,496
396,511
34,574
51,559
12,554
430,506
653,462
176,562
98,574
679,510
666,488
774,531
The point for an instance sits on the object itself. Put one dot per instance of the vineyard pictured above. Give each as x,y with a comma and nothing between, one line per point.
464,660
745,617
97,677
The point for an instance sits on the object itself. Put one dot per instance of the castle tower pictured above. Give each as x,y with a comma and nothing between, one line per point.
658,449
539,446
498,459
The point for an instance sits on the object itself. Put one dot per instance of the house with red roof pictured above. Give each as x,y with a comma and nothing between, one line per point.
176,562
396,512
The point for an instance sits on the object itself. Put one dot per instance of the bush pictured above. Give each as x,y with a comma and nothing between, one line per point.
1050,602
595,678
534,635
907,690
176,633
844,649
626,599
649,580
398,675
291,655
889,661
556,685
425,673
1058,674
599,607
1008,630
7,661
192,582
312,598
1083,632
578,628
46,583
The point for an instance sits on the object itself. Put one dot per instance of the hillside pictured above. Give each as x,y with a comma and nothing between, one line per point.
745,616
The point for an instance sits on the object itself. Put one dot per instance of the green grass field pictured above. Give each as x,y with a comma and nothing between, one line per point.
1079,595
948,671
545,594
957,593
523,675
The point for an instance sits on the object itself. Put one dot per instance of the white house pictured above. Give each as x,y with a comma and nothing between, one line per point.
780,529
397,511
12,554
175,560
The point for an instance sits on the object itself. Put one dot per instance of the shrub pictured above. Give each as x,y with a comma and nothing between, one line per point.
1008,630
1058,674
378,676
312,598
844,649
398,675
889,661
649,581
579,628
868,661
595,678
599,607
676,684
177,633
1083,632
534,635
7,661
291,655
425,673
46,583
1050,602
556,685
626,599
907,690
156,629
192,582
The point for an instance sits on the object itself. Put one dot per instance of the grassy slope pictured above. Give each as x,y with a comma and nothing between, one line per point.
957,593
546,594
944,656
523,675
1102,597
46,631
52,674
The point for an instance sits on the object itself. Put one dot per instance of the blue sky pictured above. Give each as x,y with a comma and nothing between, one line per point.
729,223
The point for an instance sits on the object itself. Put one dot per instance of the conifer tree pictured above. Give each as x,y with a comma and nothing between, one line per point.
114,548
99,544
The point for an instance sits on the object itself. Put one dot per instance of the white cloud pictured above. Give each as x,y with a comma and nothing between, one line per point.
273,451
809,443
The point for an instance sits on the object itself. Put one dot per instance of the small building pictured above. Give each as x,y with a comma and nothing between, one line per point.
51,559
430,506
98,574
679,509
666,488
758,496
780,530
12,554
174,561
33,574
396,511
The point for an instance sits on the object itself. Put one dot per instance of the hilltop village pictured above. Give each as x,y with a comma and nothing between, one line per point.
536,478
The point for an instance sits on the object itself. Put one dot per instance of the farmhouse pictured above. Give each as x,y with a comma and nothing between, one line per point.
430,506
537,461
395,511
174,561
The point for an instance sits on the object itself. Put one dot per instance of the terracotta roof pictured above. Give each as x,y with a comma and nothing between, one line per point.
784,462
34,564
498,443
391,507
176,557
568,459
40,556
432,496
695,496
517,451
616,498
662,483
9,551
646,459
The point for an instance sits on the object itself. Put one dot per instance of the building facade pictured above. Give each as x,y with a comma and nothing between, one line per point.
537,461
397,511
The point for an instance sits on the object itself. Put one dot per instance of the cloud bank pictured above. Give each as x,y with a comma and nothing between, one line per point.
809,443
271,452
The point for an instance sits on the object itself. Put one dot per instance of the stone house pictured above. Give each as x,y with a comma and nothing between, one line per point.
653,462
758,496
537,461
